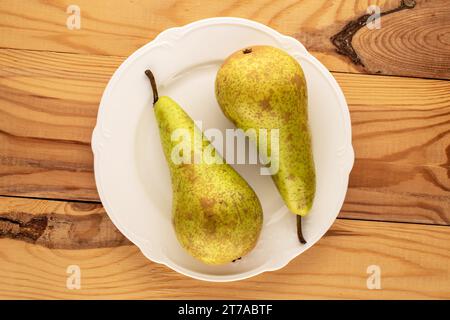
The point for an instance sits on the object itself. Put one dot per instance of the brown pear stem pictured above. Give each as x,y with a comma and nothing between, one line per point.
151,77
299,230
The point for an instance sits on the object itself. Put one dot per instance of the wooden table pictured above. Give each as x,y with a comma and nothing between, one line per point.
397,212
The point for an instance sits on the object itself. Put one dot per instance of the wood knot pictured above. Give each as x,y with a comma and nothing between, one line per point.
408,3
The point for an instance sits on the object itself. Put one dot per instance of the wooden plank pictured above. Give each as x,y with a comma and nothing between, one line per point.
401,139
411,41
58,224
48,109
400,134
414,262
391,192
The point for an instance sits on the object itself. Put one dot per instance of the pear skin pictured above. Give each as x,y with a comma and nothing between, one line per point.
263,87
216,215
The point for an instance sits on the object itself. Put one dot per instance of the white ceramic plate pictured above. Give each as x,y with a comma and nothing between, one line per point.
132,175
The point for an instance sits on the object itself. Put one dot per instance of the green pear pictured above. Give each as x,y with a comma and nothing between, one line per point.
216,215
263,87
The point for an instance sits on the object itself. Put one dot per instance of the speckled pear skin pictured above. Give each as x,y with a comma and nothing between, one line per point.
266,88
216,215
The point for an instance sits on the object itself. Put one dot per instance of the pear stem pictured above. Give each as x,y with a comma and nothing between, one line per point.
299,230
151,77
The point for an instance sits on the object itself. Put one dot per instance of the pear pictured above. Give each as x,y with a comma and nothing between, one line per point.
263,87
216,215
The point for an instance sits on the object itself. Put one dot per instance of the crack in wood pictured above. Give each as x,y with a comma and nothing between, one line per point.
43,140
343,39
29,231
334,233
62,231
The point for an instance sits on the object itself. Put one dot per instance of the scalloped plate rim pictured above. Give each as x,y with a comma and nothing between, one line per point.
99,134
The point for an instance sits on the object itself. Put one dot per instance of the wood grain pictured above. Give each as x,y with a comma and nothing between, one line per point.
414,262
401,139
51,81
412,42
391,192
58,224
400,134
56,98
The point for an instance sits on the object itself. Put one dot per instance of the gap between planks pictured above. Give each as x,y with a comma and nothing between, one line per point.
125,57
338,217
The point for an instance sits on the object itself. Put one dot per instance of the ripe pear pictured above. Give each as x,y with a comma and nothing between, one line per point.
216,215
263,87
